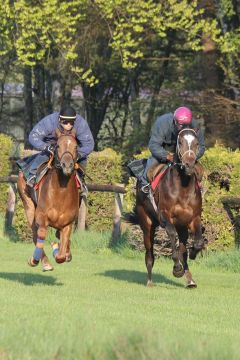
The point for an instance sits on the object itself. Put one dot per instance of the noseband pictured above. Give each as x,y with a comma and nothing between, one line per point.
189,151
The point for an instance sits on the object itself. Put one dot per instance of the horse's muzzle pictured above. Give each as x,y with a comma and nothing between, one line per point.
189,170
67,167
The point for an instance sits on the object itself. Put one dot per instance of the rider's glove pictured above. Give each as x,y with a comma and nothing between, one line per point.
50,149
169,157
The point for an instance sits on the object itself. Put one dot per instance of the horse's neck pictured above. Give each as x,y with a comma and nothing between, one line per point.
185,181
58,180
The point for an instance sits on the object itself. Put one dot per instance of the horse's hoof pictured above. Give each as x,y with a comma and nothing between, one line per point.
32,262
149,284
178,271
60,260
193,253
191,285
69,257
47,267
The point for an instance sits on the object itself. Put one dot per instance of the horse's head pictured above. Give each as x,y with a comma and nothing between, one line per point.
66,151
187,149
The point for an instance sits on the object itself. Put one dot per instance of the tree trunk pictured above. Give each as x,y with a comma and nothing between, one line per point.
96,104
57,95
39,91
134,96
28,104
48,85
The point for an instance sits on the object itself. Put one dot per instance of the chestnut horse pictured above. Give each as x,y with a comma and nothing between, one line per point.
58,202
178,208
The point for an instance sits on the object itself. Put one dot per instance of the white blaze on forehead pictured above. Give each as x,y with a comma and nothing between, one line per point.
189,138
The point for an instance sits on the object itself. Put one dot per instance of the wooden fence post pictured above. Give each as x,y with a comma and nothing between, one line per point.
116,232
82,214
11,201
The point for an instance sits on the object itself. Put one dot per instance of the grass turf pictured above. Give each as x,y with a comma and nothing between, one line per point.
98,307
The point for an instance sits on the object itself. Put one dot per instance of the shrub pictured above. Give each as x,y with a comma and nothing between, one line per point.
104,167
6,145
220,163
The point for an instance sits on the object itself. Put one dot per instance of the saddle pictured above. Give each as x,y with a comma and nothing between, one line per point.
155,173
45,167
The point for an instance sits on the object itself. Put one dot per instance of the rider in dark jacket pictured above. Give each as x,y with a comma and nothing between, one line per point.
163,139
42,138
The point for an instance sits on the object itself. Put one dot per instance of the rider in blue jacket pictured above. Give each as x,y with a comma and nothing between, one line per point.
42,138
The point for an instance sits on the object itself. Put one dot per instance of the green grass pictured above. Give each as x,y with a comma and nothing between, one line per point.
98,307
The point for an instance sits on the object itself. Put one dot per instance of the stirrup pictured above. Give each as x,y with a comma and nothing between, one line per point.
84,189
31,181
146,188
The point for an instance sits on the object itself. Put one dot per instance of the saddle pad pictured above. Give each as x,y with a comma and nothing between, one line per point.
136,168
156,180
78,181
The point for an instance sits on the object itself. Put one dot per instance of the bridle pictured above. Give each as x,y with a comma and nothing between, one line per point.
189,151
57,160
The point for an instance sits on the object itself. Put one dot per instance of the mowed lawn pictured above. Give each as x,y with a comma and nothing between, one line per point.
98,307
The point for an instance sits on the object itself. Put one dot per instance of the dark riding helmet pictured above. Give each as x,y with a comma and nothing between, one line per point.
67,114
182,116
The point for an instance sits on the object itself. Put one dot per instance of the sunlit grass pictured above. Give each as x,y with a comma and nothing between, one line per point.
98,307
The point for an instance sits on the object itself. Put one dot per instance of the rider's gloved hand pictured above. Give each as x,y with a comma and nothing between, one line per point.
170,157
50,149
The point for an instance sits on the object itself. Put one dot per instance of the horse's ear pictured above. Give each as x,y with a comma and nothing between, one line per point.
74,133
57,133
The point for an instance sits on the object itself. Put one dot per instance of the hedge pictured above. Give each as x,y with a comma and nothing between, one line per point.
6,145
104,167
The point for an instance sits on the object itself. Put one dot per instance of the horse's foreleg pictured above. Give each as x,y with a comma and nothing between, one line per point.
68,252
148,235
39,253
148,228
30,209
46,266
178,270
198,243
183,238
62,253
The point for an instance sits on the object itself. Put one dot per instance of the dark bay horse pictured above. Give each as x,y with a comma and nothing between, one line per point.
58,202
178,208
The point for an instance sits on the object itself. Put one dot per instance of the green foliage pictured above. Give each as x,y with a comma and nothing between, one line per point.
131,23
226,163
54,29
22,230
6,149
104,167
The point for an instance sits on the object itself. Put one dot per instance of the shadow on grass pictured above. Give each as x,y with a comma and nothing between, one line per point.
30,279
139,277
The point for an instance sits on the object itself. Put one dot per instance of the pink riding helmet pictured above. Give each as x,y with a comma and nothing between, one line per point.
183,115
